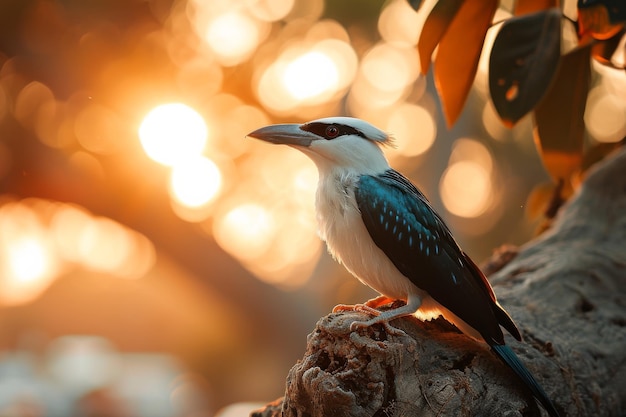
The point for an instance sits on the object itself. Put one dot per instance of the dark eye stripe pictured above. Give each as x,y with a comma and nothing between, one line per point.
319,129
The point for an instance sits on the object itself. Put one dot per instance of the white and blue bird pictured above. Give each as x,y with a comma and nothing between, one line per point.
385,232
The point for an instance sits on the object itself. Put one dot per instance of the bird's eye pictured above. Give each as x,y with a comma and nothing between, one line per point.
332,131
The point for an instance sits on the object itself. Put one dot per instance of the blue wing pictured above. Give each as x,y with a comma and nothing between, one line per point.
403,224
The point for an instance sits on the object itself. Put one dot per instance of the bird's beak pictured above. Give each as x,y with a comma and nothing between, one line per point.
287,134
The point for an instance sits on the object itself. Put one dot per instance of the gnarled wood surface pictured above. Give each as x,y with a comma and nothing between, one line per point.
566,290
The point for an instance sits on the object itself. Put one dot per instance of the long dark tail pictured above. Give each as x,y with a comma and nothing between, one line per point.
510,358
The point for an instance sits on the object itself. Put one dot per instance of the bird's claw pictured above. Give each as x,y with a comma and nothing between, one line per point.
365,308
368,307
344,307
356,325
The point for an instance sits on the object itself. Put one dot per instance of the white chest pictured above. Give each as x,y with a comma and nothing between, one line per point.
348,241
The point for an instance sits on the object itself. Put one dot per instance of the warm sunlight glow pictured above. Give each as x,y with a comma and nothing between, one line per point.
28,260
99,129
465,189
104,245
389,72
270,224
233,37
307,76
310,75
195,182
246,231
390,67
605,115
173,132
398,22
413,129
270,10
465,149
67,227
100,243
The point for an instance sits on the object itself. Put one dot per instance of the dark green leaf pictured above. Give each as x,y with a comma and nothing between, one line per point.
559,125
416,4
523,62
459,52
434,28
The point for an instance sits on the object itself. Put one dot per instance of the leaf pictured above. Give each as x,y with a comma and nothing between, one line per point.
598,152
559,126
616,9
434,28
523,61
603,50
538,200
544,200
596,21
459,51
416,4
531,6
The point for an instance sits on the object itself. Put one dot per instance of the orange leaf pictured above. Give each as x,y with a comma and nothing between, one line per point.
531,6
459,51
595,20
434,28
603,50
538,200
559,126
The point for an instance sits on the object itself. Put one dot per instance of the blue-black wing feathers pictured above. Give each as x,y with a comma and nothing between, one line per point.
403,224
509,357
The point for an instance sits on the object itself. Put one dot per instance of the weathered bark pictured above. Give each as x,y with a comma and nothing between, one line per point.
565,290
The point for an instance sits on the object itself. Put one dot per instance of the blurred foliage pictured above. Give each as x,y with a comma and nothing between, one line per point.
459,29
531,69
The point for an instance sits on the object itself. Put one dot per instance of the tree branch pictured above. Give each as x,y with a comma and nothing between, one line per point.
565,290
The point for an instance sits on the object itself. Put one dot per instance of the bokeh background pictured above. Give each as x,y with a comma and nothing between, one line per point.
153,261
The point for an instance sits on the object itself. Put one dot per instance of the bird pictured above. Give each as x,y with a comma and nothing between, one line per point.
386,233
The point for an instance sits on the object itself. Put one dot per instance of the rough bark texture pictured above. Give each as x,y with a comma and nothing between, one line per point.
565,290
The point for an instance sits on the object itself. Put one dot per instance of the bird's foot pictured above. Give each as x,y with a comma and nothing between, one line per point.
382,317
355,325
367,307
